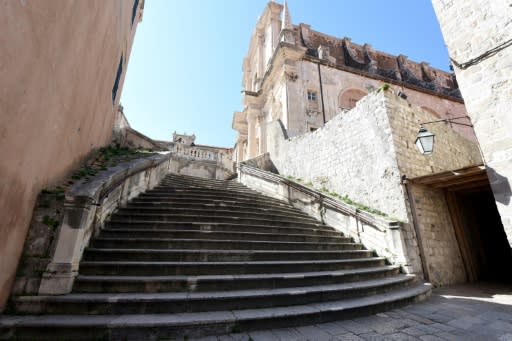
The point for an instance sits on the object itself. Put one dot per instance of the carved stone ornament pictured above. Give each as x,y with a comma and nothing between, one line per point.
291,76
312,113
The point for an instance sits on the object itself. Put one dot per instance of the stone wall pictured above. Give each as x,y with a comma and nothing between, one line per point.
388,238
471,28
443,260
364,153
451,150
352,154
59,61
200,168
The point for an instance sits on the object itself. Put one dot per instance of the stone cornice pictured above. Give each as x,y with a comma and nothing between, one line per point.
381,78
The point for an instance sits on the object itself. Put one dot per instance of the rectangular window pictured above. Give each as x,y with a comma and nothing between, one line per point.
134,10
311,96
118,78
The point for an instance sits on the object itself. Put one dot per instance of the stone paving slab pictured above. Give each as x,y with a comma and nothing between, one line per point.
479,311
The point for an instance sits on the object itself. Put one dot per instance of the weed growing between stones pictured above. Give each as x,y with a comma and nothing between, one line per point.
344,198
50,222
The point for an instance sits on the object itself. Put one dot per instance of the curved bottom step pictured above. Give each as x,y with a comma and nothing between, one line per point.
158,326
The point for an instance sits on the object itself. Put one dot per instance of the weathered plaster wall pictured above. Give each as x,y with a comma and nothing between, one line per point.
470,28
58,64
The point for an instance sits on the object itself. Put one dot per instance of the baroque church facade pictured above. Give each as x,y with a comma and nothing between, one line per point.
304,78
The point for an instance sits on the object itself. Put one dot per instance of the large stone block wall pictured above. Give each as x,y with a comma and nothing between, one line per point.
58,62
365,152
442,254
470,28
451,150
352,154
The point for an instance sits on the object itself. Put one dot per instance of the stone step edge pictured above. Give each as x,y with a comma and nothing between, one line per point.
235,263
251,230
270,276
202,195
202,319
214,295
120,220
222,251
178,240
130,211
214,218
217,208
206,232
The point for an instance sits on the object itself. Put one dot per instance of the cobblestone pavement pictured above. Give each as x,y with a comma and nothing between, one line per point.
466,312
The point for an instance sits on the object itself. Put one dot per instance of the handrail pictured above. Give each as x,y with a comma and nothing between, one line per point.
327,201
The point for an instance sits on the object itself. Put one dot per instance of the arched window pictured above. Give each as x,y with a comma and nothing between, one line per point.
348,98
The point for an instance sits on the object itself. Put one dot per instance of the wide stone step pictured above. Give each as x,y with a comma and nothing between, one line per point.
223,204
186,325
185,195
191,189
258,220
118,223
214,212
227,201
120,284
212,208
161,243
181,302
193,179
178,179
222,268
203,255
222,235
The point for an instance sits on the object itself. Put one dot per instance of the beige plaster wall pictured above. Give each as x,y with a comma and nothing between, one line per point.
470,29
58,64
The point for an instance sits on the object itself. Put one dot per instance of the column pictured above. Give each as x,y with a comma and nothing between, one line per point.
252,116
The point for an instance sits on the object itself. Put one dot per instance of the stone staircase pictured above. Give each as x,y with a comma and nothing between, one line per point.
194,257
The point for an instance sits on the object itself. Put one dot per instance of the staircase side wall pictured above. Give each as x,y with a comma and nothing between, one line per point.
86,209
387,238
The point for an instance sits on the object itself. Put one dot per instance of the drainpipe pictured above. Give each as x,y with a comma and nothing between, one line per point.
321,91
415,225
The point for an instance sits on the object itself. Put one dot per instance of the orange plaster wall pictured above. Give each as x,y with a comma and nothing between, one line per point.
58,63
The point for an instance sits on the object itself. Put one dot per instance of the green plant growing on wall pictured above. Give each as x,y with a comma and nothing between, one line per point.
345,198
50,222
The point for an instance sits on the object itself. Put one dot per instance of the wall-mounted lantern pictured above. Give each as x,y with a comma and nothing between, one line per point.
425,139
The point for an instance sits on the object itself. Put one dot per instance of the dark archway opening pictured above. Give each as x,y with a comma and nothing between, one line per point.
484,246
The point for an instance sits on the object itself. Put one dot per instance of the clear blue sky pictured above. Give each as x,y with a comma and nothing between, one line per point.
185,70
